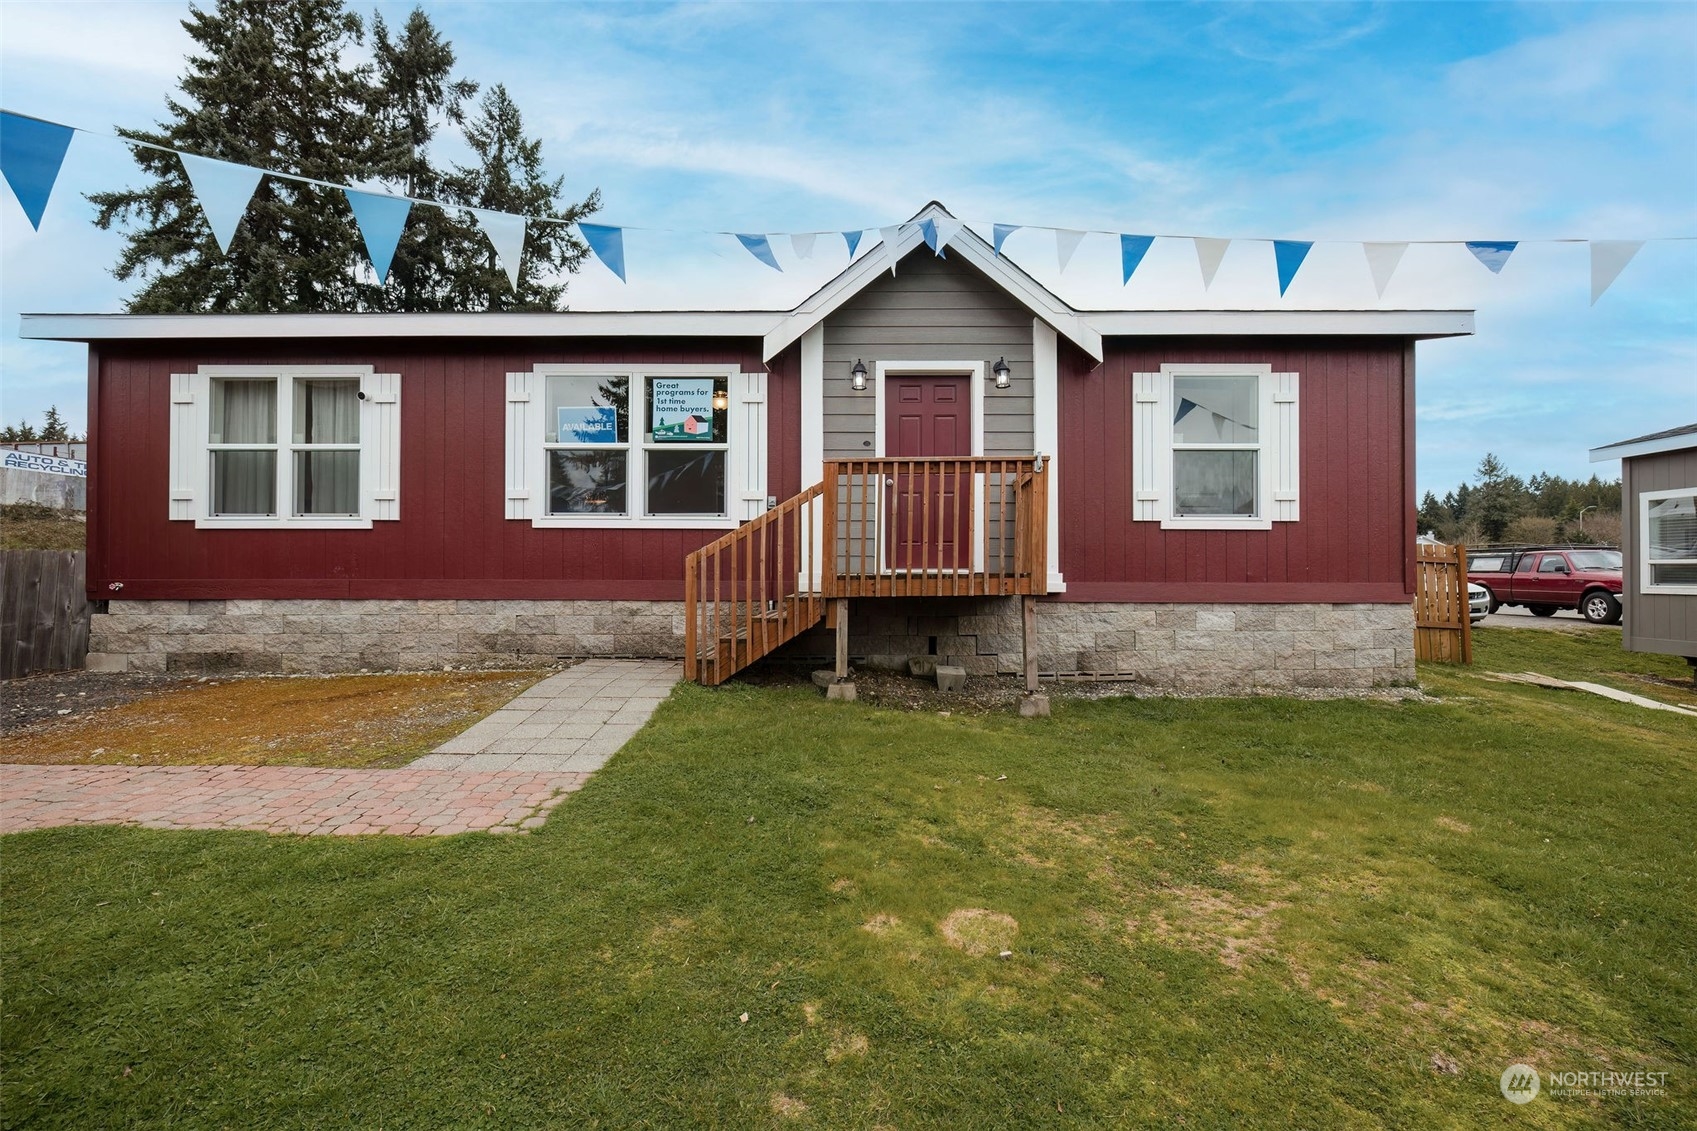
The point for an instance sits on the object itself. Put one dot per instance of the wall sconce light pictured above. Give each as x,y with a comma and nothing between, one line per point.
720,400
857,376
1002,372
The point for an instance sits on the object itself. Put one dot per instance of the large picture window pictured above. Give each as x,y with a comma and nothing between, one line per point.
305,445
1668,541
1215,446
655,444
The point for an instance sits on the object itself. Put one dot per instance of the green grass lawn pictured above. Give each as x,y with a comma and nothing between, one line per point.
1221,914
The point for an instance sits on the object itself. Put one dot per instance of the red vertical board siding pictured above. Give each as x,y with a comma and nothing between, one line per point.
1354,539
452,539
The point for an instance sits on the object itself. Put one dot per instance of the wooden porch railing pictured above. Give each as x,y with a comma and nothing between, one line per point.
957,527
749,592
934,527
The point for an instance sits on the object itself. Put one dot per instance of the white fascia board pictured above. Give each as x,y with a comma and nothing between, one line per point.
1281,323
564,324
970,246
1644,447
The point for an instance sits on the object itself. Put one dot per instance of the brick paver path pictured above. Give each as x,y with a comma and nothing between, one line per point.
279,799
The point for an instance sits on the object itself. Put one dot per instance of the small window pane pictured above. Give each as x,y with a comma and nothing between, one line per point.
244,483
1553,563
1214,483
326,412
327,483
586,482
682,410
244,412
686,482
1216,410
587,410
1671,526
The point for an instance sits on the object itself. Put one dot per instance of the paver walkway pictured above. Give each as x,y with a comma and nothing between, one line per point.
570,722
279,799
501,776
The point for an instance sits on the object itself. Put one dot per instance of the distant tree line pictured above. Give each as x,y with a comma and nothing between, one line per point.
1499,507
272,86
53,430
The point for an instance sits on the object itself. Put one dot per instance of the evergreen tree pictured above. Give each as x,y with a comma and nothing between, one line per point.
1434,517
53,428
21,433
414,93
1498,499
508,177
269,88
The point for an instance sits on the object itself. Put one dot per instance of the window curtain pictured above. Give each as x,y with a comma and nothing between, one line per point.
244,482
326,482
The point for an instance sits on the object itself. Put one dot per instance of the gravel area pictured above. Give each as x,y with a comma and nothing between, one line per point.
76,694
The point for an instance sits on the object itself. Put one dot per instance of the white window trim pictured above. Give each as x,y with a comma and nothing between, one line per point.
1153,449
1646,582
535,459
191,482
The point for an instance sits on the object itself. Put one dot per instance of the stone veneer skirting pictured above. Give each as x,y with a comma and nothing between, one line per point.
1181,647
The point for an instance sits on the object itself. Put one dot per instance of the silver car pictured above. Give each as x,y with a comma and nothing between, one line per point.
1478,602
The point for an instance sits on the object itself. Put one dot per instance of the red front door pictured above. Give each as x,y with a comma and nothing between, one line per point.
930,509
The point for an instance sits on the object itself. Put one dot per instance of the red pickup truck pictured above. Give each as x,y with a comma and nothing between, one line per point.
1545,579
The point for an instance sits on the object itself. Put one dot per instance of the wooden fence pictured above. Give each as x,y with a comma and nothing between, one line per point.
43,611
1443,629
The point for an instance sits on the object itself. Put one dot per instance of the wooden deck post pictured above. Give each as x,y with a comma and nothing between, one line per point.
1028,641
842,639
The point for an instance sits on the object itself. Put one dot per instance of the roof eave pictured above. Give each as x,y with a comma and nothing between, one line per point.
1627,449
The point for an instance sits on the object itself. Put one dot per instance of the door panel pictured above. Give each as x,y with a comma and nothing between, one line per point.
929,508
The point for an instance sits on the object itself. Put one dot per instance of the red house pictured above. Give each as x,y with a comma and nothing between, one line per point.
1197,499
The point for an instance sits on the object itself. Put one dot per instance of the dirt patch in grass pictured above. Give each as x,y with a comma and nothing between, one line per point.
32,526
360,720
75,695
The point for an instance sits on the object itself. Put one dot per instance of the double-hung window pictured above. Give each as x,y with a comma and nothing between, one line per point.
1215,446
285,446
1667,541
662,445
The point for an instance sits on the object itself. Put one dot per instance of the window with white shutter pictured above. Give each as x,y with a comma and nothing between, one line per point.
311,446
1215,447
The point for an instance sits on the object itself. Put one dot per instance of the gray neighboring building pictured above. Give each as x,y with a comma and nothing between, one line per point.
1659,540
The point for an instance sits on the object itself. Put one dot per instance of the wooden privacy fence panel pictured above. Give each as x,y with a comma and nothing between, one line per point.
43,611
1443,628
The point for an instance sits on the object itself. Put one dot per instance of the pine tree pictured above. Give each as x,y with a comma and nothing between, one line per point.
509,178
53,429
414,93
269,88
21,433
1497,501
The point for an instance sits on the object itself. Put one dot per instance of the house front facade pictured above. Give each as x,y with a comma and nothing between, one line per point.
1199,500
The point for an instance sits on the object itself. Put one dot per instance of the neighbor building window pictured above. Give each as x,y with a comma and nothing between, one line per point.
1215,446
1668,541
300,445
655,445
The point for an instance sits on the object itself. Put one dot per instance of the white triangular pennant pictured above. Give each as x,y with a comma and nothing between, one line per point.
947,229
1208,255
803,244
1066,242
1608,259
890,237
506,234
223,189
1382,260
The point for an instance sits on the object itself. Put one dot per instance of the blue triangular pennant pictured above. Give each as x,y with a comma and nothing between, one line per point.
608,244
381,219
1289,254
31,152
1493,253
1132,251
928,229
223,189
999,234
853,241
761,248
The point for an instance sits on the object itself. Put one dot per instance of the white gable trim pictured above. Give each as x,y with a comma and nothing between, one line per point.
970,246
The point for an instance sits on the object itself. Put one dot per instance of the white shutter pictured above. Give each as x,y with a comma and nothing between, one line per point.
380,447
1151,446
748,445
189,392
521,419
1284,454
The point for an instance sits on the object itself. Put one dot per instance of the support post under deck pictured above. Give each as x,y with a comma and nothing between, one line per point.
842,639
1027,634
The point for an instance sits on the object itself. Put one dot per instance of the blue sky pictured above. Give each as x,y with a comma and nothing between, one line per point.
1329,122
